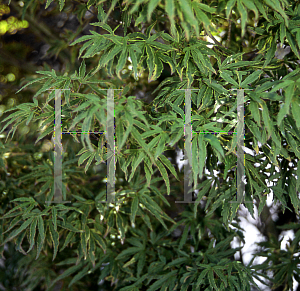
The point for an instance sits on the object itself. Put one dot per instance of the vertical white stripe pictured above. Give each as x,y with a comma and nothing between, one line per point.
110,147
188,191
57,149
240,147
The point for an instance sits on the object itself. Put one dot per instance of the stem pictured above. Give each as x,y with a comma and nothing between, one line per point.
229,31
212,37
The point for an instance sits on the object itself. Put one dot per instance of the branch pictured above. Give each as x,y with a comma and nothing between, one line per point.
229,31
212,37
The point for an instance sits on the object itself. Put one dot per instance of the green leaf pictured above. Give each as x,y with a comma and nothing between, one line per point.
151,6
298,175
83,38
19,230
205,61
153,210
132,261
92,47
207,8
156,285
61,5
155,206
89,161
120,134
276,5
99,240
82,69
40,243
293,193
134,208
266,118
32,233
170,10
237,64
41,232
158,67
215,86
271,52
150,61
195,159
48,85
48,3
211,279
68,226
183,237
79,275
134,61
103,25
200,279
55,239
230,5
120,225
141,263
92,248
202,154
128,252
255,112
251,78
161,144
68,239
292,43
293,144
84,237
23,199
243,12
54,217
251,6
178,261
83,157
168,164
19,243
122,61
67,273
282,33
30,117
164,47
169,61
289,92
225,75
282,85
201,15
215,143
17,116
164,174
296,111
188,12
110,56
49,130
140,141
13,224
135,164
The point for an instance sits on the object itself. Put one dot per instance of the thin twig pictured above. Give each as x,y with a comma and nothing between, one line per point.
229,31
212,37
94,136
